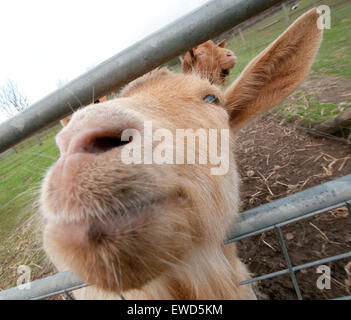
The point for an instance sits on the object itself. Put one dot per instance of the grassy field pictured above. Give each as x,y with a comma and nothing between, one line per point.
21,173
20,178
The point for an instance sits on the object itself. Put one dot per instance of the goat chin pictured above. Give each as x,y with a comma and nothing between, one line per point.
190,281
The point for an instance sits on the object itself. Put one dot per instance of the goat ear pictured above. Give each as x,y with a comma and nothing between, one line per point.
222,43
187,65
275,72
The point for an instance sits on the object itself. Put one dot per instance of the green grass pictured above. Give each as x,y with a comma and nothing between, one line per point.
20,177
308,112
318,111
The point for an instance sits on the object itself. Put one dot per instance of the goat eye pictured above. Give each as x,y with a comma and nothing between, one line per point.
211,99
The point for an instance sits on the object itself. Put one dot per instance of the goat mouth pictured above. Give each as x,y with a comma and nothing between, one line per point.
117,224
115,246
123,205
134,217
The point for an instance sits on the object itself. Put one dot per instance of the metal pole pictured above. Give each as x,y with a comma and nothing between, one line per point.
294,207
286,14
43,288
242,37
208,21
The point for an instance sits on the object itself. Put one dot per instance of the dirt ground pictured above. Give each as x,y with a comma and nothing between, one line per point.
274,161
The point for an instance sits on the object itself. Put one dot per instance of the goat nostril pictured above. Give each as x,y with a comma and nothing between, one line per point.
95,141
103,144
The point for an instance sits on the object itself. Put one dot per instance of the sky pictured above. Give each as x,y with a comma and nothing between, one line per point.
44,42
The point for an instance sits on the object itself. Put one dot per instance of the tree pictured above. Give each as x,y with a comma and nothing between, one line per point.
12,101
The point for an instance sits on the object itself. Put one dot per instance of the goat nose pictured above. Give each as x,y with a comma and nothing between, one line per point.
97,140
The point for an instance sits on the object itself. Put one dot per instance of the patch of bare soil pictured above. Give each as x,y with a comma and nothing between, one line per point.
328,89
275,161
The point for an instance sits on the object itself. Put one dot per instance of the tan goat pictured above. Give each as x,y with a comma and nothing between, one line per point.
210,60
156,231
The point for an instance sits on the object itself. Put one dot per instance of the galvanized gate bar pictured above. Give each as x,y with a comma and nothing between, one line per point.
204,23
43,288
288,262
297,268
319,198
343,298
316,199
